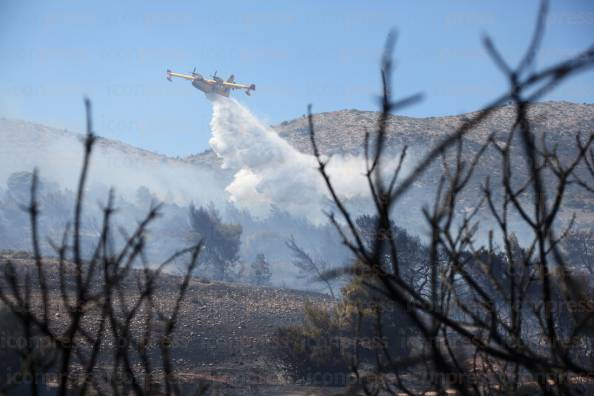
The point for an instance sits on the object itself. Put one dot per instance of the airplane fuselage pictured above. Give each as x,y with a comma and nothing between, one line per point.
210,86
216,85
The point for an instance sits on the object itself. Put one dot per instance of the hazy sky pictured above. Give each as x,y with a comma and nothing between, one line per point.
296,52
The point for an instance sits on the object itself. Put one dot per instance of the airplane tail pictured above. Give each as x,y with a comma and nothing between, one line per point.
169,75
231,79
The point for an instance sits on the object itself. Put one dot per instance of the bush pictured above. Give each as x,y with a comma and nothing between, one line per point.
311,353
21,359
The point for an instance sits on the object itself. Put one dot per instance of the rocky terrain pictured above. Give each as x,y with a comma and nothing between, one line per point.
343,130
225,333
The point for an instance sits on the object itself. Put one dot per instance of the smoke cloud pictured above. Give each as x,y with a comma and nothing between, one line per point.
270,172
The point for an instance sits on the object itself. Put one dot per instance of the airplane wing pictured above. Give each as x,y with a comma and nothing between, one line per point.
173,74
238,86
248,88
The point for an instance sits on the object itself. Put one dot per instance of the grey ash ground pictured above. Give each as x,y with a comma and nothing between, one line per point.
225,331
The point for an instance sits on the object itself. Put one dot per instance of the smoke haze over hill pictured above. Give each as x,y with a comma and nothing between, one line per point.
58,156
259,176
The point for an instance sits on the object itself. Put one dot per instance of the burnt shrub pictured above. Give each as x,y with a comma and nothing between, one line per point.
311,353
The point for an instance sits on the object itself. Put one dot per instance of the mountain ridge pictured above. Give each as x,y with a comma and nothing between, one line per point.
342,132
294,129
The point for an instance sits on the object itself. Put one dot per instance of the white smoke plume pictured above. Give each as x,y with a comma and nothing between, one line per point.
58,156
270,172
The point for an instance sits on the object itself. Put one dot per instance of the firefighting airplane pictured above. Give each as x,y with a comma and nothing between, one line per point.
214,85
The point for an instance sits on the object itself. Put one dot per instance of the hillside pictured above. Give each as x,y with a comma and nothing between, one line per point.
28,136
337,132
25,145
225,333
341,132
58,152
